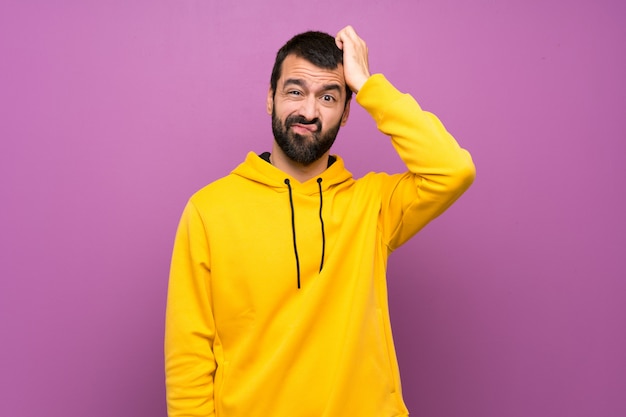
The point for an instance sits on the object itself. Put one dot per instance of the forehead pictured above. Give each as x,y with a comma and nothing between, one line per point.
295,67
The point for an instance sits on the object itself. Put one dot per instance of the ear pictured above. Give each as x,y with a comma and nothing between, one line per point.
346,113
270,101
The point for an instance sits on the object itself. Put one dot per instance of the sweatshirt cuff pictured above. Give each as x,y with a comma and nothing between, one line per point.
376,95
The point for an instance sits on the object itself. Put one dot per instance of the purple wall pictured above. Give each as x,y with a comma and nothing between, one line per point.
113,112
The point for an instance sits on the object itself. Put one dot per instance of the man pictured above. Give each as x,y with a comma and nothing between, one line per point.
277,303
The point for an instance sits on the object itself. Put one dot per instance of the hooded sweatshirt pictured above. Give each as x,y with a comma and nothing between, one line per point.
277,300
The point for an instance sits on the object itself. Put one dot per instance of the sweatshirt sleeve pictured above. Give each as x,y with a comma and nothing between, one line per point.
189,326
439,170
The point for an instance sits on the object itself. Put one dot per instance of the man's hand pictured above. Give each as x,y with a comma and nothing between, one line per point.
355,63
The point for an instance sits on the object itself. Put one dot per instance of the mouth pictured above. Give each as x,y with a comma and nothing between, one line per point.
304,128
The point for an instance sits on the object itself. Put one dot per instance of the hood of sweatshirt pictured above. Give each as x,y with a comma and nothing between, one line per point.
255,168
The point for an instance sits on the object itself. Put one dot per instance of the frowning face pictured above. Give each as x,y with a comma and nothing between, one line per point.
307,108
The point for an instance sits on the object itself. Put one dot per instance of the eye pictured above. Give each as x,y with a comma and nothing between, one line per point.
294,93
328,98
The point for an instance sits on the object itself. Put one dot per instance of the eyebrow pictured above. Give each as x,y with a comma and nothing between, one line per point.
301,83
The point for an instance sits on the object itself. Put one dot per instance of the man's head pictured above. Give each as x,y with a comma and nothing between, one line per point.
308,96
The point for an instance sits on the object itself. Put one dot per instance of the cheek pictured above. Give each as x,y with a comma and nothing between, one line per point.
284,109
333,118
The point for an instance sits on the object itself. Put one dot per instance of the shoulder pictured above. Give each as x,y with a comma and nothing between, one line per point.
215,191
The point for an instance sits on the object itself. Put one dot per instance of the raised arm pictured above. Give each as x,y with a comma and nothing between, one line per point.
439,170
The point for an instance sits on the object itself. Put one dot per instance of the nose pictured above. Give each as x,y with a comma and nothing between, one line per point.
308,109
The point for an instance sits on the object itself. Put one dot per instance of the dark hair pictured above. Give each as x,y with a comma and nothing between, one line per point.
318,48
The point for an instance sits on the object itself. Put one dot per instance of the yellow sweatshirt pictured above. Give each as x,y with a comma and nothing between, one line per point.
242,339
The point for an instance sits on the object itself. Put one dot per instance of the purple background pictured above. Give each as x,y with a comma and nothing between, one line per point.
113,112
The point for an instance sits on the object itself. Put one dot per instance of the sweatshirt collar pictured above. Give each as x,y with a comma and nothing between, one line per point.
257,169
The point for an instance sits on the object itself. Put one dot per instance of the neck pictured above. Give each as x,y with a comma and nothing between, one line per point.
300,172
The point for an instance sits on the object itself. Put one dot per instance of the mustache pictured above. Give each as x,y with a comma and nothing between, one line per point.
301,120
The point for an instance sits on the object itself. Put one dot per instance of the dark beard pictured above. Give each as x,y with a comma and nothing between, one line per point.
301,149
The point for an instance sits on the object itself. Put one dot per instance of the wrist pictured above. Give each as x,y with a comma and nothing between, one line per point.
358,83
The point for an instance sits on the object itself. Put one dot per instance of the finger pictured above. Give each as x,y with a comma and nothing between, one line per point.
339,42
347,34
339,39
